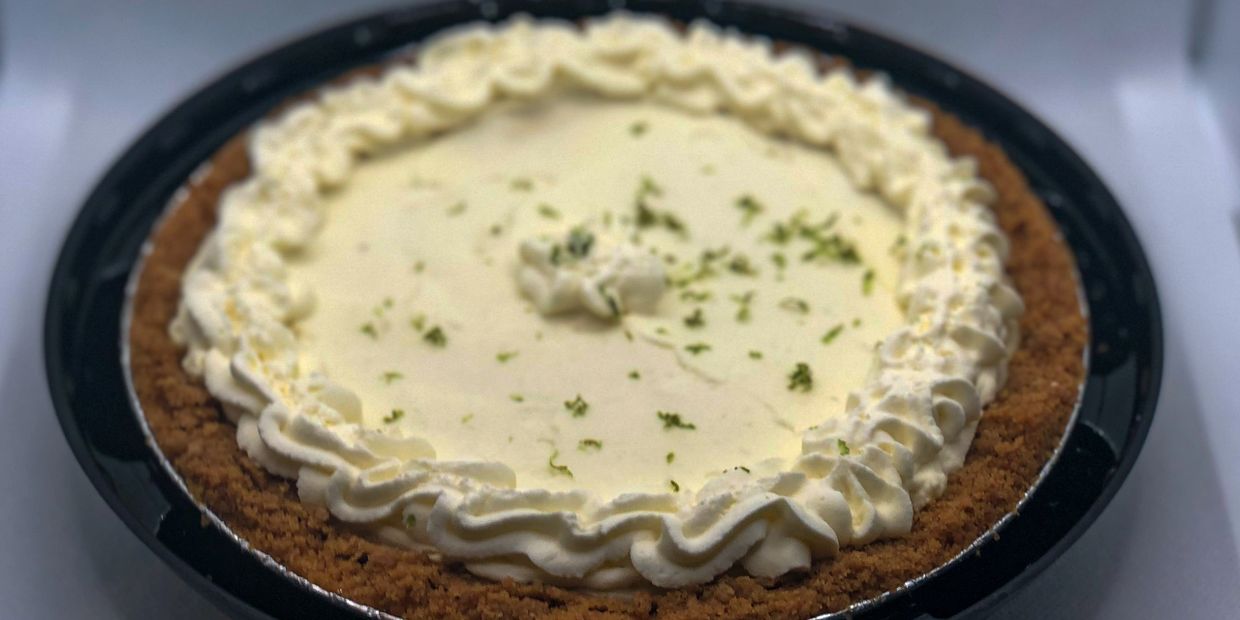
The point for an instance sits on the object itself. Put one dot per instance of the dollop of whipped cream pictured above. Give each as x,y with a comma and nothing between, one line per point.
859,476
583,271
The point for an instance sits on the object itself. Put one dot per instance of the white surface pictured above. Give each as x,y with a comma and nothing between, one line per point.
1215,52
79,81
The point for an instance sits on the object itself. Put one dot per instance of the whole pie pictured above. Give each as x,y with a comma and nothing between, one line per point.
607,317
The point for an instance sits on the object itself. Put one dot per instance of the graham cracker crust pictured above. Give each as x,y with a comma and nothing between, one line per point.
1017,434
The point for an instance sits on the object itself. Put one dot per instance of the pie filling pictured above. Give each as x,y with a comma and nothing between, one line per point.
605,306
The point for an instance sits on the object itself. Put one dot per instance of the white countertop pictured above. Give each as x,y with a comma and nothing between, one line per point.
80,80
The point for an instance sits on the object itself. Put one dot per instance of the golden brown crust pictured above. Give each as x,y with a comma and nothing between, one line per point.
1016,436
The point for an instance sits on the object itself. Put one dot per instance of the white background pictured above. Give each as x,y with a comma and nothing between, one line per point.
80,80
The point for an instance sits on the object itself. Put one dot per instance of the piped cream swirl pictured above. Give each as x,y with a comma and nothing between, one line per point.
605,277
906,428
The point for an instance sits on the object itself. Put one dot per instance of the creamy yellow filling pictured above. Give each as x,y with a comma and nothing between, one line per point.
418,309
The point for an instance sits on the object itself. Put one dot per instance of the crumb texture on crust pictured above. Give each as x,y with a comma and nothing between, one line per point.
1017,434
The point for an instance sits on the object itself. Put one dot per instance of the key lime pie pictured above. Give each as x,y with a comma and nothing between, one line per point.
603,314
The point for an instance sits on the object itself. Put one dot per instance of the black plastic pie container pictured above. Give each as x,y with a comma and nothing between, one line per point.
83,328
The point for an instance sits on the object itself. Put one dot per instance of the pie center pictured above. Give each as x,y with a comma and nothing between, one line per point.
778,283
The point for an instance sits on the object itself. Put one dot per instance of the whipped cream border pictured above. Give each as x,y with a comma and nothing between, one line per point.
908,426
